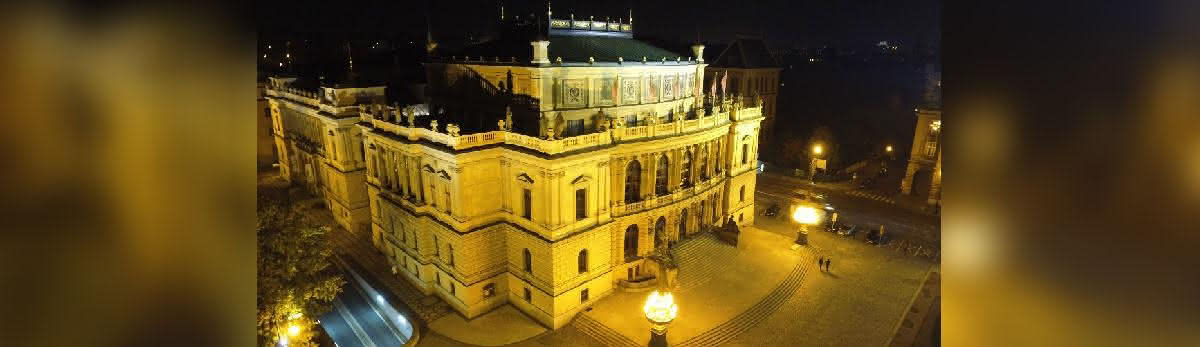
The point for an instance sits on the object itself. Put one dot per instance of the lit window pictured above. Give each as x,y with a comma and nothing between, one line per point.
580,204
528,261
583,261
527,203
633,179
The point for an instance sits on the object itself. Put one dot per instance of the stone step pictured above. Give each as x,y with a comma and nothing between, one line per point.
730,329
601,333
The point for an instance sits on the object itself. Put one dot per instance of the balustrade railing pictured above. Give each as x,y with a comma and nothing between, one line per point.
559,145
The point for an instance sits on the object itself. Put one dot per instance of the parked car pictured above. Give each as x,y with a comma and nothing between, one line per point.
848,230
772,211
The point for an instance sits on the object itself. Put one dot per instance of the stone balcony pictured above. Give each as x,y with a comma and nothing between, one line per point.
680,194
557,146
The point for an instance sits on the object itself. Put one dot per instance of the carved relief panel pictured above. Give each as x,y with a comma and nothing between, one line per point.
629,90
574,93
606,91
650,92
669,82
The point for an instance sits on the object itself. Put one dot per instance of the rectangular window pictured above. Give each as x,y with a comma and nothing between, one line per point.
631,120
574,127
580,204
527,204
451,287
528,296
583,295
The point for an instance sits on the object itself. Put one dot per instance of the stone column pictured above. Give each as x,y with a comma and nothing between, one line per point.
935,188
906,184
505,181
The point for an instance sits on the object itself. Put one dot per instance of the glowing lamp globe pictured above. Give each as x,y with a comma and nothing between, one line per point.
660,310
806,215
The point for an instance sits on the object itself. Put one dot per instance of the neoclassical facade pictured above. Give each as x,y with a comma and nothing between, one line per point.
924,172
543,179
320,145
925,160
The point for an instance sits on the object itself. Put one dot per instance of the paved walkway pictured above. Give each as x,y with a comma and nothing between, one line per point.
858,303
724,292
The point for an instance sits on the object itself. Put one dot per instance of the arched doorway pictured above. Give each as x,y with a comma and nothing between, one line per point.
921,182
683,219
631,243
660,230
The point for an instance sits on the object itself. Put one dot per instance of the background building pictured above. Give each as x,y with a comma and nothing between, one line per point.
548,163
924,173
753,71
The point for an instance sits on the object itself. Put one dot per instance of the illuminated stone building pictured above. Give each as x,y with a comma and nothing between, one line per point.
547,163
319,144
266,135
924,173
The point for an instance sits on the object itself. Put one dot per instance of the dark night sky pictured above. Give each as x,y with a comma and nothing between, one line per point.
784,23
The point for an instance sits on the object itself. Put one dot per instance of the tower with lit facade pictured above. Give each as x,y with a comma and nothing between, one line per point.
924,171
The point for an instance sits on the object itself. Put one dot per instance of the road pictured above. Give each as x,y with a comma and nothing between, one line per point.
357,318
855,209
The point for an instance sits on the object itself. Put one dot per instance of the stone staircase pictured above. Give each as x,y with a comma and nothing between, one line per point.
700,258
600,332
758,312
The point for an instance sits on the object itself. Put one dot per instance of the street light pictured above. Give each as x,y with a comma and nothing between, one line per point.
812,164
660,310
889,148
805,215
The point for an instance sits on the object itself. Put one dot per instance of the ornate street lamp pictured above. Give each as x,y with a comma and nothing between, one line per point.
805,215
660,310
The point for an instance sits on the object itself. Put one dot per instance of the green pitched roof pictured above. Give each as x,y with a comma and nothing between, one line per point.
606,49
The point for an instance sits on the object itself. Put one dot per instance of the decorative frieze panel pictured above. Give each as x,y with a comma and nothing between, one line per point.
630,90
574,93
606,91
650,90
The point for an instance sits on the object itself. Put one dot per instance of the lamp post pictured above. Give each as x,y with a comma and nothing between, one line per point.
812,166
660,310
805,215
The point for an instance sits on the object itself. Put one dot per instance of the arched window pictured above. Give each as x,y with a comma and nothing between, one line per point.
685,178
704,163
660,176
583,261
633,182
745,153
660,229
528,261
450,248
742,194
683,222
631,242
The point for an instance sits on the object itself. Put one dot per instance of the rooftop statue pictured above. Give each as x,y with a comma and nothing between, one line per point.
500,125
508,122
452,129
433,125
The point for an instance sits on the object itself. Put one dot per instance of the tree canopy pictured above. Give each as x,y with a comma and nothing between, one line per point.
295,280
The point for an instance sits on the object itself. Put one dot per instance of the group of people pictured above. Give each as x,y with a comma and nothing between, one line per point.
823,263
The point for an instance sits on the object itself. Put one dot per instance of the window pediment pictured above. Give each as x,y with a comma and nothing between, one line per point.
581,180
525,178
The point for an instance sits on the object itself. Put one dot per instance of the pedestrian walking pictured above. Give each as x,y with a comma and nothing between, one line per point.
827,261
821,262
